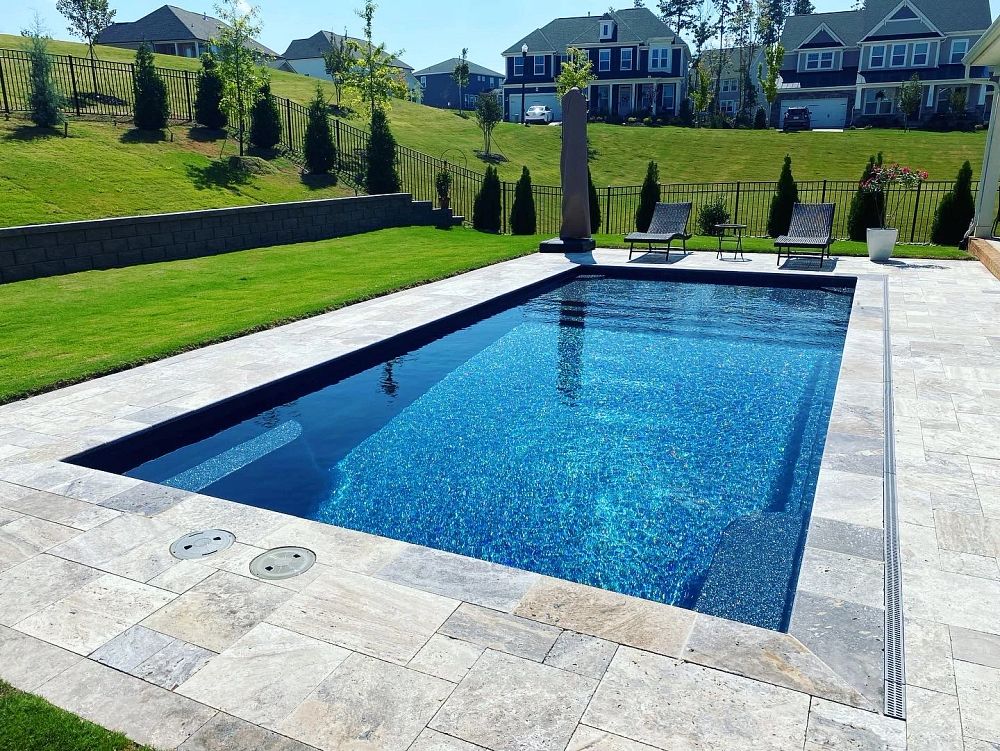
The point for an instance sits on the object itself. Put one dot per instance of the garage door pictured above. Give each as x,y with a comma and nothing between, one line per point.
549,99
825,113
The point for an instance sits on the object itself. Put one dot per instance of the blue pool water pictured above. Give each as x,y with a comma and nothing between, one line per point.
656,438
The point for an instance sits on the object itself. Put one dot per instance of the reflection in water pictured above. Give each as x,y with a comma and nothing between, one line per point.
572,321
387,383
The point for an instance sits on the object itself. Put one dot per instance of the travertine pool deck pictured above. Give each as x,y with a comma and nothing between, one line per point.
386,645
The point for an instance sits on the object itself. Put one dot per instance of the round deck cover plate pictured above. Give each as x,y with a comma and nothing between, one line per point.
282,563
201,544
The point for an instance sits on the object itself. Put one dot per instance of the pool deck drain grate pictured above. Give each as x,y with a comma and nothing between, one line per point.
201,544
282,563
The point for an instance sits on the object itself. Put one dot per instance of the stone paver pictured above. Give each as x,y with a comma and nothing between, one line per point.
579,653
28,662
500,631
446,657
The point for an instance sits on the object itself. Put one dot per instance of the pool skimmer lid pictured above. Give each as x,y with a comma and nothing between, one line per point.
202,544
282,563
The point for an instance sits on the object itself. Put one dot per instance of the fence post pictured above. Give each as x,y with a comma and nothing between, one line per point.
338,135
3,90
823,199
916,212
503,214
288,122
187,91
736,211
607,211
72,78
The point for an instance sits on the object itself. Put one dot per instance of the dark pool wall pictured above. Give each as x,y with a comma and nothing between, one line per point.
65,248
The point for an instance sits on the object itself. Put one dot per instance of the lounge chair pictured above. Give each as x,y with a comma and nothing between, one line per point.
669,223
810,232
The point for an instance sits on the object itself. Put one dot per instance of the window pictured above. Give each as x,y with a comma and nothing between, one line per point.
659,59
878,57
626,58
958,49
607,29
603,99
423,82
728,85
729,106
819,61
877,102
898,59
667,100
604,61
518,66
539,65
920,50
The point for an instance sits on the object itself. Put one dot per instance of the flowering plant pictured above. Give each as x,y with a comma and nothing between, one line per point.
881,183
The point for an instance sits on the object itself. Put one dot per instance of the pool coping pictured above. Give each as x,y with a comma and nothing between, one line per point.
797,660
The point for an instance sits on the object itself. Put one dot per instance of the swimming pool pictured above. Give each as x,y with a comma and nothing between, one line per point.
643,433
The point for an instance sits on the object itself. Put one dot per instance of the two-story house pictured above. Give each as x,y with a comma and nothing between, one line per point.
640,64
847,67
438,87
734,77
307,56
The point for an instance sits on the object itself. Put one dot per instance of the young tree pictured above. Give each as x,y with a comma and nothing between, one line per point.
43,99
908,98
864,212
461,78
87,19
576,73
774,57
780,216
522,215
380,158
955,212
208,99
760,119
701,96
489,114
265,120
723,22
338,62
320,153
372,72
958,100
802,8
595,204
239,63
151,107
486,209
648,198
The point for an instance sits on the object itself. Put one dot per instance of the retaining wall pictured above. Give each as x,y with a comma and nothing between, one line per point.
51,249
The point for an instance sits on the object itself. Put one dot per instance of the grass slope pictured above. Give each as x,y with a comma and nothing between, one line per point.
29,723
684,154
47,178
112,319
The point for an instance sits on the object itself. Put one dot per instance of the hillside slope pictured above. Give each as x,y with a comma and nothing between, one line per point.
102,171
621,153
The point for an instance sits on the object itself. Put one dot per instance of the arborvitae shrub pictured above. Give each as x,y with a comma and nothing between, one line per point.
956,210
265,120
864,211
760,119
208,99
486,210
595,204
151,108
648,198
44,99
783,203
320,153
381,176
522,215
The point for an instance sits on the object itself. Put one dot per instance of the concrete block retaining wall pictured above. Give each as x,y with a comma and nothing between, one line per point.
51,249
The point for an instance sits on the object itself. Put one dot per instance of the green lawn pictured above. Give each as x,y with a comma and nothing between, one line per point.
47,178
28,723
109,320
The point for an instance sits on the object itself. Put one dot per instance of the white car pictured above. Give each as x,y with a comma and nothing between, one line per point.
538,113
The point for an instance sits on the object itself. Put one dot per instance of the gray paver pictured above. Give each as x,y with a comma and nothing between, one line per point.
500,631
579,653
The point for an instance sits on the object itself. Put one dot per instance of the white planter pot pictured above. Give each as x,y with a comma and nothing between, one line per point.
881,243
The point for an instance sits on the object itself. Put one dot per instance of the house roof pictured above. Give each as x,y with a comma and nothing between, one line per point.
168,24
730,57
448,66
635,25
851,26
322,42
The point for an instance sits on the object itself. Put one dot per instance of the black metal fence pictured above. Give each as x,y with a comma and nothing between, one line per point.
104,88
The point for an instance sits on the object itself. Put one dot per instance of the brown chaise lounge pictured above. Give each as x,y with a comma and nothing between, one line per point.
669,223
809,234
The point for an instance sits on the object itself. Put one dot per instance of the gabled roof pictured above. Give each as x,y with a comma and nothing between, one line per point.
168,24
730,58
635,26
448,66
852,26
322,42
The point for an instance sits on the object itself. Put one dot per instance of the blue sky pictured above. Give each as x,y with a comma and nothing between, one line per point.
428,31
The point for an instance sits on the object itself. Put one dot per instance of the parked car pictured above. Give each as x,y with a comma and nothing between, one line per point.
538,113
797,118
